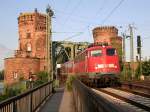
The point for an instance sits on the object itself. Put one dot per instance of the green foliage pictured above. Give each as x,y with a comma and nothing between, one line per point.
2,75
21,78
125,73
56,83
3,97
137,72
115,45
69,82
146,68
38,82
42,77
13,90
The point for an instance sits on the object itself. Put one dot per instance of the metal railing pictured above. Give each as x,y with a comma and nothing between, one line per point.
87,100
29,101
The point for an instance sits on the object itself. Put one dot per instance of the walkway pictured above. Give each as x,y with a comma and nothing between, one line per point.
61,101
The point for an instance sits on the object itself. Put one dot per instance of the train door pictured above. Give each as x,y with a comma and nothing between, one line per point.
86,61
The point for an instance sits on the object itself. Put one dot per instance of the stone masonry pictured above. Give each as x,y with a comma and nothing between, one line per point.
30,57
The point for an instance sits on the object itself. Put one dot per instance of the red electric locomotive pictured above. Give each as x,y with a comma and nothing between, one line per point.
98,65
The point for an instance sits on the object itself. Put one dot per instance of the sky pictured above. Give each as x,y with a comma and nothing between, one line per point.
75,19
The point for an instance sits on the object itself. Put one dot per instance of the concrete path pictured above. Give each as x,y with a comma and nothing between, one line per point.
61,101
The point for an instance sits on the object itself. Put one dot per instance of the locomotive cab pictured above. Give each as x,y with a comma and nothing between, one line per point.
103,60
103,63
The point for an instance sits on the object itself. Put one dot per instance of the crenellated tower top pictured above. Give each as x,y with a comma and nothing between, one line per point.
104,33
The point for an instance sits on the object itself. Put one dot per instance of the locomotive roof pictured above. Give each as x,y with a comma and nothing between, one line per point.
94,47
89,48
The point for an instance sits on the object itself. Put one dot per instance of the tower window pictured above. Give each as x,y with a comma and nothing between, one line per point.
44,67
28,35
29,47
15,75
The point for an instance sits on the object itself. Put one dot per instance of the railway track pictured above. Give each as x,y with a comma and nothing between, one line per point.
134,92
136,87
127,100
141,83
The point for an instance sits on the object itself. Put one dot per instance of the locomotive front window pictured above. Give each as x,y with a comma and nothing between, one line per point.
110,52
96,53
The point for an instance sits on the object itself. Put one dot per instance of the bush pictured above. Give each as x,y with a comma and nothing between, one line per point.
2,75
38,82
3,97
43,76
69,82
15,89
145,69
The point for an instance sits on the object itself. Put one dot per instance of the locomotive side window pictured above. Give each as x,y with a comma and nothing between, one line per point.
96,53
110,52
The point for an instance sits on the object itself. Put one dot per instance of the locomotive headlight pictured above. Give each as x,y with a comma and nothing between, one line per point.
100,66
111,65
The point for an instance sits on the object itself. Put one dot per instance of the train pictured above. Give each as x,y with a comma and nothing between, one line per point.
97,65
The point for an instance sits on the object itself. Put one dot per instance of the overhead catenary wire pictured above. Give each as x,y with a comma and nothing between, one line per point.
98,11
68,14
84,21
100,8
146,38
112,11
66,32
79,18
75,8
68,38
96,14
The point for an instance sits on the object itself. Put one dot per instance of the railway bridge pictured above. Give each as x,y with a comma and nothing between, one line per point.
80,99
46,98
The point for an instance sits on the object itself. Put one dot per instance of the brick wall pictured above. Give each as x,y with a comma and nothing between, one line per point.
17,68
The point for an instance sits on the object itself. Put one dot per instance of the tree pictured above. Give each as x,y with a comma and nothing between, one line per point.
2,75
146,68
42,77
138,72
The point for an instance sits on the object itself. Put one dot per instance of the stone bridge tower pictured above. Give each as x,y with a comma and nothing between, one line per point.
32,35
30,57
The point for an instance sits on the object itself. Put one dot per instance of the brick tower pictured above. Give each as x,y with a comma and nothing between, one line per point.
32,35
30,57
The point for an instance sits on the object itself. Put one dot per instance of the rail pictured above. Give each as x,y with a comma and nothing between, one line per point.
138,87
138,101
87,100
29,101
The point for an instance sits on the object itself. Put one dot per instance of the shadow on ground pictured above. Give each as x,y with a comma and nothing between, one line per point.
53,103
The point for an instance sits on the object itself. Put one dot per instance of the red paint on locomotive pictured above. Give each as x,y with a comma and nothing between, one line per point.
94,62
